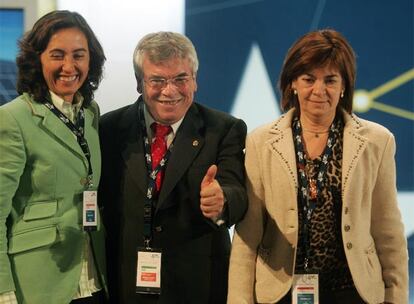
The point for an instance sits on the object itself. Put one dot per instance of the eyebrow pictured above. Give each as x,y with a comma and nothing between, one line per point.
182,74
327,76
62,51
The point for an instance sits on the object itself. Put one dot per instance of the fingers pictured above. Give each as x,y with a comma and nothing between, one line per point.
212,200
211,194
211,214
212,207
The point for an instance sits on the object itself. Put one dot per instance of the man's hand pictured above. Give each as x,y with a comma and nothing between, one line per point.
211,195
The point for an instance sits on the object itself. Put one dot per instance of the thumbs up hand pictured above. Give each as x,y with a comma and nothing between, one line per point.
211,195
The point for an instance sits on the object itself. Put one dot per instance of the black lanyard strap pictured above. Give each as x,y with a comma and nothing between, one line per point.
151,195
305,203
79,131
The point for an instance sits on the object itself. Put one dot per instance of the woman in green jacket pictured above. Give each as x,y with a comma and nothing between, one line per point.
51,241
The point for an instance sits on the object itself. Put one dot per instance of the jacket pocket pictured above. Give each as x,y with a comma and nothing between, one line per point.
374,265
39,210
31,239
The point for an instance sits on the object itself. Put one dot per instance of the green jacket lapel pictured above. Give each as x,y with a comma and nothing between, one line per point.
56,128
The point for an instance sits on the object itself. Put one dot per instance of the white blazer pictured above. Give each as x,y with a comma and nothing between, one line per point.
264,246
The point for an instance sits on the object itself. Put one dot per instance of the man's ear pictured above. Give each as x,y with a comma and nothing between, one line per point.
139,87
139,84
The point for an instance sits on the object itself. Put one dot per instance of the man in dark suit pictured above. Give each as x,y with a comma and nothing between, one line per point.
172,183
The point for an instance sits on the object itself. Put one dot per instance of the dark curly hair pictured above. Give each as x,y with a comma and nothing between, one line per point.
313,50
30,77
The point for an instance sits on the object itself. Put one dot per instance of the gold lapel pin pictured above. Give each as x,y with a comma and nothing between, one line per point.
195,143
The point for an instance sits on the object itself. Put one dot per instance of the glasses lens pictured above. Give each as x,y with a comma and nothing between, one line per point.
160,83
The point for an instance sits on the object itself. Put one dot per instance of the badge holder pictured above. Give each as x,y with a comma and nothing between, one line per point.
305,289
148,279
90,209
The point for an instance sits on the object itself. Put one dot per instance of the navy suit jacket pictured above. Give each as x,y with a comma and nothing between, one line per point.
195,251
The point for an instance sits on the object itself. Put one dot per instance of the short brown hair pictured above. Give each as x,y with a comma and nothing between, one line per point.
317,49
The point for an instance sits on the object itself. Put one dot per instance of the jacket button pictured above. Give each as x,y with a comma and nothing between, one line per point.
349,245
346,210
347,227
158,228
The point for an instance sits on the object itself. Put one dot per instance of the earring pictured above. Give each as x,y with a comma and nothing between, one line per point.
342,94
295,92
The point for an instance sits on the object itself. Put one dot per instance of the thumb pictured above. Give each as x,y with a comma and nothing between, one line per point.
210,176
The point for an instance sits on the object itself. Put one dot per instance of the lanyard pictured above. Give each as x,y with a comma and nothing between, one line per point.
151,196
79,131
308,205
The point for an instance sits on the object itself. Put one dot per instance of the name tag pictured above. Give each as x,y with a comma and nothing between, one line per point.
90,207
305,289
148,271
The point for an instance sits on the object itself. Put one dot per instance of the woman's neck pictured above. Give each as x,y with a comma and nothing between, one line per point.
315,133
316,125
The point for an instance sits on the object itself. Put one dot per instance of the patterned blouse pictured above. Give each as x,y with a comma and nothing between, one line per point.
326,255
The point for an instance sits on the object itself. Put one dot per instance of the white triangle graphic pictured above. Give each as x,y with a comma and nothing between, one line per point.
255,101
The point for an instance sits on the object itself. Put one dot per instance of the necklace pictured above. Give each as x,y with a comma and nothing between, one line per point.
316,133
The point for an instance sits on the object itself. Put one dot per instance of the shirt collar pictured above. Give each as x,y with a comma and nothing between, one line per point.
149,120
60,103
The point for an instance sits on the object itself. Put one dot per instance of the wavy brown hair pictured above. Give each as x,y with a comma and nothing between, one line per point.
30,76
318,49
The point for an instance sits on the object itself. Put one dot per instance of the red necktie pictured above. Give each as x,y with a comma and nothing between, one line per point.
158,148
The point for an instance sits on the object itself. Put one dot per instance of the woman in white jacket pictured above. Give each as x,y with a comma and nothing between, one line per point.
323,222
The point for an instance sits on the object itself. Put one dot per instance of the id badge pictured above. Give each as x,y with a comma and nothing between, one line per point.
148,271
90,207
305,289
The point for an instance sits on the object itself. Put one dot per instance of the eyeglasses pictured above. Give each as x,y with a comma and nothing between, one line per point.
179,82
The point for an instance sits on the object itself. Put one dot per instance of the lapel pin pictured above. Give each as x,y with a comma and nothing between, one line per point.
195,143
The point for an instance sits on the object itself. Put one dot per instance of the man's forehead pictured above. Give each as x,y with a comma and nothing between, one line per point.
166,61
172,65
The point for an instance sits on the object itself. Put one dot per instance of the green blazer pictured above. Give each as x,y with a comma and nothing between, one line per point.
42,174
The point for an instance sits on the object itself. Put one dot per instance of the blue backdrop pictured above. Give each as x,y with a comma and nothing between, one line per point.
381,34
